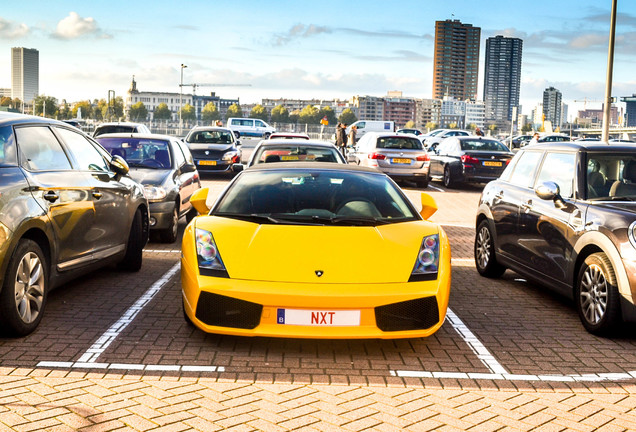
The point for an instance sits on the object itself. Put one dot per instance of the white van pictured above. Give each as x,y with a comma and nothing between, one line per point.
250,127
365,126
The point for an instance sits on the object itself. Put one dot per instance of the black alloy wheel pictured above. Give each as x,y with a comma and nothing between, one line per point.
448,179
169,235
485,257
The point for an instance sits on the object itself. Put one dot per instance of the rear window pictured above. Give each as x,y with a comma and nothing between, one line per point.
403,143
286,153
483,145
114,129
211,137
7,147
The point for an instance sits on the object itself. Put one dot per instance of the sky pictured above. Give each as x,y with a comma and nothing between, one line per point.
300,49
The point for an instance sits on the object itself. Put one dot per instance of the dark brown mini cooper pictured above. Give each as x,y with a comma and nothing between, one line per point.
564,215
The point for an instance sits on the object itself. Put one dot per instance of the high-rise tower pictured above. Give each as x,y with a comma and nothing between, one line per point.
25,74
456,61
502,77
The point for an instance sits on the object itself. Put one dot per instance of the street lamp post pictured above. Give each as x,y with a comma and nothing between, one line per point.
608,83
181,95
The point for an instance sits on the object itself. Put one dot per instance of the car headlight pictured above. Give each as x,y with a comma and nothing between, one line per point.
155,193
427,261
208,256
228,156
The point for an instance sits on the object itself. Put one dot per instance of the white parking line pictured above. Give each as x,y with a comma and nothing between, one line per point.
162,250
436,188
91,354
604,377
133,366
475,344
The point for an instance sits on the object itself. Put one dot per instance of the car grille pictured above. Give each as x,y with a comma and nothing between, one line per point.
415,314
222,311
212,154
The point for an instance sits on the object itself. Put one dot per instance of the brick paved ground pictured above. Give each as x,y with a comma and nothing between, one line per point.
279,384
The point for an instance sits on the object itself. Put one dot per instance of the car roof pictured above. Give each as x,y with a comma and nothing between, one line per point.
210,128
136,135
305,166
131,124
390,134
18,118
584,146
300,142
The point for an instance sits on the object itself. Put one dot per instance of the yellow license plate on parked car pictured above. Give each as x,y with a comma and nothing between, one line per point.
207,162
288,158
401,161
339,318
493,164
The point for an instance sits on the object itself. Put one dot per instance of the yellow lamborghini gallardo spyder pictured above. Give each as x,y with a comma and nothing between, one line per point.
315,250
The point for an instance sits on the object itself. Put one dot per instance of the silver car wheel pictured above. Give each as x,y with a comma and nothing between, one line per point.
593,294
29,288
483,247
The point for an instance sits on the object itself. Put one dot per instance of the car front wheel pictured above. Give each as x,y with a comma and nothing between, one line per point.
169,235
24,292
485,258
596,295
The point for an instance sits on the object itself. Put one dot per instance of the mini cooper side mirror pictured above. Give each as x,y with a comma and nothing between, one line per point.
550,191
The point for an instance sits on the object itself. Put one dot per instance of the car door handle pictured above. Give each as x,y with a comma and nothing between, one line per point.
97,194
526,206
499,195
51,196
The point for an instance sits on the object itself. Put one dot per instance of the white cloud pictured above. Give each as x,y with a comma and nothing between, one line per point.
74,26
12,30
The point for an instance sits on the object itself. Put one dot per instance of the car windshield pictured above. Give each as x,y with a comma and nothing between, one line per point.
611,176
138,152
402,143
295,153
210,137
315,197
483,145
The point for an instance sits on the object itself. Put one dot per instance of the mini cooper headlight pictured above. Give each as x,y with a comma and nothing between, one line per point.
427,261
155,193
208,257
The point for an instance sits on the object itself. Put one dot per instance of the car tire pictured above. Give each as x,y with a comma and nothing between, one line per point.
596,295
169,235
422,183
448,178
266,135
135,247
191,214
23,299
484,251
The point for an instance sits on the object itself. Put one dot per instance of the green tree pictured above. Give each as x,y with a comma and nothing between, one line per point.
294,116
309,115
526,128
5,101
347,117
64,110
492,128
430,126
46,105
280,114
162,112
138,112
409,124
210,113
17,103
452,125
472,126
328,112
83,107
234,110
259,112
188,113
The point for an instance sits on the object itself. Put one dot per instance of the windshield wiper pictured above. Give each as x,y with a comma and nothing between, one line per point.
258,218
342,220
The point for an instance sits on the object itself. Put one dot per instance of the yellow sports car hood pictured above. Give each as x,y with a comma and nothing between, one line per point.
319,254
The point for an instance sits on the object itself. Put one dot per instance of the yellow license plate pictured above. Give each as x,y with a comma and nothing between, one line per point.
401,161
207,162
491,163
288,158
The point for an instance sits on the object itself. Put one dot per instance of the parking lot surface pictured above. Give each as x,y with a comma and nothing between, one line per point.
113,352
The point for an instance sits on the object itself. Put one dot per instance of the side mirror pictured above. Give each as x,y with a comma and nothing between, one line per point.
429,206
199,201
237,168
237,134
188,168
238,142
550,191
119,165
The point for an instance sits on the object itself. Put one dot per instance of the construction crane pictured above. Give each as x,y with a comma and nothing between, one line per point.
585,101
194,86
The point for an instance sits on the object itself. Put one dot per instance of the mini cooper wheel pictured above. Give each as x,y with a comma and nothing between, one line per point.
24,293
135,247
485,258
596,295
448,179
169,235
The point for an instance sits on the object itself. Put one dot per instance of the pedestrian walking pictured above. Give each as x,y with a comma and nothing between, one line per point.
479,132
341,137
351,140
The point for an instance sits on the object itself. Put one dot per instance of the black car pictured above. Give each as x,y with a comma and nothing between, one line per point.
564,215
67,207
214,149
461,159
164,166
